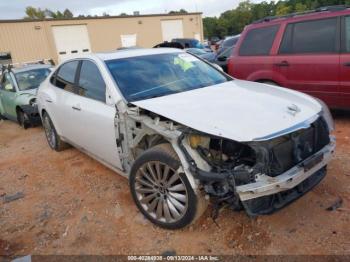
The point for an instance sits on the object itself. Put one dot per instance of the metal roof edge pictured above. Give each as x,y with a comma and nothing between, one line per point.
95,17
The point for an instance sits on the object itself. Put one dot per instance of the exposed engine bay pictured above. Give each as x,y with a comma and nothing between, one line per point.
234,164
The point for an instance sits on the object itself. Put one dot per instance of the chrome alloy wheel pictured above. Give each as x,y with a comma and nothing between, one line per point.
49,132
161,192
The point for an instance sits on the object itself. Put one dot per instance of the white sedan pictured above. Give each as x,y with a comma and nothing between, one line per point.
184,133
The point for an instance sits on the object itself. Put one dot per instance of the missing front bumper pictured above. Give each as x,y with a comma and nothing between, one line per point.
265,185
268,204
270,194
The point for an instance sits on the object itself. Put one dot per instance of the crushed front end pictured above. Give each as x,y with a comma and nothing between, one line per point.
31,117
260,176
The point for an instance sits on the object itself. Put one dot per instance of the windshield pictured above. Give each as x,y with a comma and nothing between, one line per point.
31,79
150,76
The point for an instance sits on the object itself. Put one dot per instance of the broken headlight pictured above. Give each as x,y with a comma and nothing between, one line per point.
32,102
196,140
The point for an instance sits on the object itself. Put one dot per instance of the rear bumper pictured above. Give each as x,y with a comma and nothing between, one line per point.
269,194
266,185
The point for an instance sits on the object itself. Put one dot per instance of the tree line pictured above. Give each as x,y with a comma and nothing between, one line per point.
233,21
33,13
230,22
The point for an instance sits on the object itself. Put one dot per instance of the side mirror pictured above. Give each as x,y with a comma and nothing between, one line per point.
222,58
8,87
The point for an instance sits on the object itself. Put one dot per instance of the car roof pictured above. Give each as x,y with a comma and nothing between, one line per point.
29,67
129,53
231,36
185,39
322,12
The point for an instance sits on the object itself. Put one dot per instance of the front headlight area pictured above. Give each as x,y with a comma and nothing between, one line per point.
229,164
32,102
225,157
326,114
222,154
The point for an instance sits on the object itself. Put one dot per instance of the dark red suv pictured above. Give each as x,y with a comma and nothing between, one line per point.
309,52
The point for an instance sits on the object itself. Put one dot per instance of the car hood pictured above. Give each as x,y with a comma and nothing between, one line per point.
30,92
238,110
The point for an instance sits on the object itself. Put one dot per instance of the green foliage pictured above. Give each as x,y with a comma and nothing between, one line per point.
233,21
67,13
181,11
33,13
300,7
283,9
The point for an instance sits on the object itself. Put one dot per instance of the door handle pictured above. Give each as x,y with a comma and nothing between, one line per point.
282,64
77,108
48,100
347,64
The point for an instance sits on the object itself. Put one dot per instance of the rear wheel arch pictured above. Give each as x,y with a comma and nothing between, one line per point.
267,75
268,81
52,118
53,138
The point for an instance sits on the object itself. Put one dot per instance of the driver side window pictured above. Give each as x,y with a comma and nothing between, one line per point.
7,83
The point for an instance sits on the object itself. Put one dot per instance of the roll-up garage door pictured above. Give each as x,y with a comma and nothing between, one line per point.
172,29
71,40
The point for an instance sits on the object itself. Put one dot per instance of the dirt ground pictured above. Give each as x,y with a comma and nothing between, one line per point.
71,204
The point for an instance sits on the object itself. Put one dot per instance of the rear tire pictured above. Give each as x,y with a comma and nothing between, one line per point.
53,139
163,195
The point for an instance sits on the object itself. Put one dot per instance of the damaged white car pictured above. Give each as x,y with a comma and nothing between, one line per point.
185,133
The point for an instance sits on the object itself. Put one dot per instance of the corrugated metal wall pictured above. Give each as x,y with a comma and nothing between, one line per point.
25,41
28,41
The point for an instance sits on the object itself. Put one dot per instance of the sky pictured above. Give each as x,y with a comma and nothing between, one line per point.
15,9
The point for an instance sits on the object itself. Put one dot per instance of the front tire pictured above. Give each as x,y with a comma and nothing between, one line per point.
22,119
163,195
52,137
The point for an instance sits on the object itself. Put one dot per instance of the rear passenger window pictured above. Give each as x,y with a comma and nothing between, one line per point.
258,41
91,83
318,36
65,76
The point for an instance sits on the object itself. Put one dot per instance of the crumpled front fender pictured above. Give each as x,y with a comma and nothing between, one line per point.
23,99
